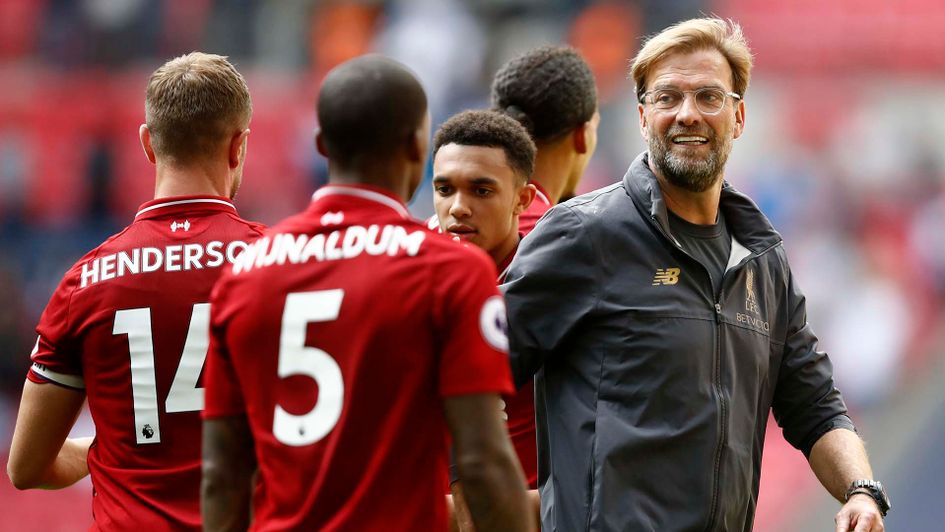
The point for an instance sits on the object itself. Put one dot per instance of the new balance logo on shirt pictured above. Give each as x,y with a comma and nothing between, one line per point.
666,276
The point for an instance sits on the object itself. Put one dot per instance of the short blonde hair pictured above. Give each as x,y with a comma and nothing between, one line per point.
691,36
193,103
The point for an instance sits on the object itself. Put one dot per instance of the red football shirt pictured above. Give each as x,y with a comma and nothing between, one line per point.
338,334
129,324
520,407
539,206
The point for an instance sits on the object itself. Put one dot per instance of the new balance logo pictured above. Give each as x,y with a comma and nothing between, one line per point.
185,226
666,276
333,218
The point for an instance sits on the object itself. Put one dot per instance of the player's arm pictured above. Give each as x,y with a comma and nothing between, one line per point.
229,465
810,410
461,521
534,505
493,482
40,454
838,459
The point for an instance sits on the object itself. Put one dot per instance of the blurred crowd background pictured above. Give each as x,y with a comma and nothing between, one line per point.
844,149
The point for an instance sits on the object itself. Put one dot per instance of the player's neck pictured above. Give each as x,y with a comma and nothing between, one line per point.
500,254
701,208
386,180
192,180
552,167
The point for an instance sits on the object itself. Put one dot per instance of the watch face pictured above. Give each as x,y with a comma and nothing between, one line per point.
876,491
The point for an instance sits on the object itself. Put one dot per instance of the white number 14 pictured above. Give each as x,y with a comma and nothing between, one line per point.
184,395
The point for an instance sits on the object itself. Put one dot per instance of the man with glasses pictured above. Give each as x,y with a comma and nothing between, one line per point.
663,324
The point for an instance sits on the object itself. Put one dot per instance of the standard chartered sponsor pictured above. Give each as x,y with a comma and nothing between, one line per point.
175,258
341,244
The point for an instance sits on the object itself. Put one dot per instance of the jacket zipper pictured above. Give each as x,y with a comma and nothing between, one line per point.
723,407
723,413
717,378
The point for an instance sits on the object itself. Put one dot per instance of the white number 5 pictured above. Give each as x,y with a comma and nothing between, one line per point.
296,358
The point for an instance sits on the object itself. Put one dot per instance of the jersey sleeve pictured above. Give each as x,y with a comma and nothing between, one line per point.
473,346
222,394
55,357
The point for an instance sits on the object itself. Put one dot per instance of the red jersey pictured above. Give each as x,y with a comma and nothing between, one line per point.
539,206
338,334
520,407
129,325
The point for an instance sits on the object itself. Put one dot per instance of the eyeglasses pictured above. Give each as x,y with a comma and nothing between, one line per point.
709,100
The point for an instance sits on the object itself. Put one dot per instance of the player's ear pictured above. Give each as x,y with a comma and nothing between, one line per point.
579,138
642,121
418,142
739,118
416,146
144,135
237,149
320,143
526,195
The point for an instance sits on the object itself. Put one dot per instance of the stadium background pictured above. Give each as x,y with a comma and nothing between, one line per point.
844,150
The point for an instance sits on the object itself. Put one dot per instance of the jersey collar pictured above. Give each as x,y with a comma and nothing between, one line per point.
164,206
506,263
366,192
541,195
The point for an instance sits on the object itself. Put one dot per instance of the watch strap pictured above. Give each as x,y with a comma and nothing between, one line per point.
872,488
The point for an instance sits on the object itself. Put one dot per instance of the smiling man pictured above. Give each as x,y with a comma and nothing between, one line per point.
663,324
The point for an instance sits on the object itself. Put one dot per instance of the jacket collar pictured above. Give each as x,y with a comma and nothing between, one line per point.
748,225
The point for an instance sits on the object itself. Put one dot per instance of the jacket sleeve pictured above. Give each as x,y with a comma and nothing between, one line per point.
551,286
806,403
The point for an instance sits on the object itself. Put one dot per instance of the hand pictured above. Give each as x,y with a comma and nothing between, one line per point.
861,512
460,518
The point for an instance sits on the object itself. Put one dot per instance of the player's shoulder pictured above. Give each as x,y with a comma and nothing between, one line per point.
443,250
113,242
71,279
252,229
263,238
590,211
300,222
612,199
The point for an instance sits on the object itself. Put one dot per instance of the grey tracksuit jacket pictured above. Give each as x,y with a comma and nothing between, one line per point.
653,392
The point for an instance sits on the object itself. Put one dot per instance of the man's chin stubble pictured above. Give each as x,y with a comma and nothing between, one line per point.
694,176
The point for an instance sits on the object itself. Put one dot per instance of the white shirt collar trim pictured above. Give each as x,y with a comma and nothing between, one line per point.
370,195
184,202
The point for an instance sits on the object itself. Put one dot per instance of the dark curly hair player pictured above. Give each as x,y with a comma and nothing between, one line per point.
551,91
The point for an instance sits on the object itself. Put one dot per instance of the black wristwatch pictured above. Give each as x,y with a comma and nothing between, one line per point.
872,488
